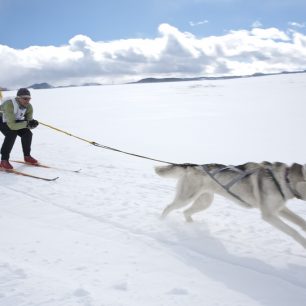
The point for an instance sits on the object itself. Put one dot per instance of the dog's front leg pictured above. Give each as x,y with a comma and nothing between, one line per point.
285,228
293,217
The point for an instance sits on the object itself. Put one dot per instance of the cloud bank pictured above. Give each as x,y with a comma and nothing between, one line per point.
171,53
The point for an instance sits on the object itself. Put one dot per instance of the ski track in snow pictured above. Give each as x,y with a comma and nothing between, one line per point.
95,238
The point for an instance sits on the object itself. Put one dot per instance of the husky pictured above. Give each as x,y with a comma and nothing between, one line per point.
265,186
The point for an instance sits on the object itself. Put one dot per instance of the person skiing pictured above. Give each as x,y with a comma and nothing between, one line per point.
16,119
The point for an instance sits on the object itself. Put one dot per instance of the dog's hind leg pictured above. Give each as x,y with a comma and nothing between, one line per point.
285,228
294,218
176,204
201,203
188,189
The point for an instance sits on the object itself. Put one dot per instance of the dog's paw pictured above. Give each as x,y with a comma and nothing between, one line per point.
162,217
188,218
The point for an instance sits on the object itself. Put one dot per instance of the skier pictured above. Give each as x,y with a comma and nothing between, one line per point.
16,119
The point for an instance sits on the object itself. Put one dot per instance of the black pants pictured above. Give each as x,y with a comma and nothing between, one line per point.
10,137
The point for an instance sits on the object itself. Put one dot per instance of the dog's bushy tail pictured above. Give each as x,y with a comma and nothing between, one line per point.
171,171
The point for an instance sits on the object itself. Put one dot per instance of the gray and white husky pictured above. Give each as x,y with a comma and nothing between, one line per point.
266,186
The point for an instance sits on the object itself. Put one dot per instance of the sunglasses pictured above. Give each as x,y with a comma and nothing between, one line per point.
25,98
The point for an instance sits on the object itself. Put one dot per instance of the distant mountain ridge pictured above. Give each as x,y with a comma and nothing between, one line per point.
46,85
160,80
41,86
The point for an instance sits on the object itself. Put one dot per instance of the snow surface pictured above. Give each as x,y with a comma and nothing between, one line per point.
94,238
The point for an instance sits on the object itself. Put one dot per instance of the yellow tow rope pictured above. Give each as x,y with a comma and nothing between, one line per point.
69,134
103,146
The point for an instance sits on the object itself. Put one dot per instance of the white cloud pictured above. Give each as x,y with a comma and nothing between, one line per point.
297,24
256,24
271,33
171,53
198,23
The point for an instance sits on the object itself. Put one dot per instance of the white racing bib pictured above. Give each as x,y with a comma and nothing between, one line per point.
18,111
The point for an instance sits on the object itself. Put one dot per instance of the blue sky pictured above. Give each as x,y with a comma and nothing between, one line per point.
67,42
25,23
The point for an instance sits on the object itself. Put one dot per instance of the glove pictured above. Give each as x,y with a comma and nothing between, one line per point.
32,124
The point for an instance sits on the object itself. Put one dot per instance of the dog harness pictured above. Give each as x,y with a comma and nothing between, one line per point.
241,174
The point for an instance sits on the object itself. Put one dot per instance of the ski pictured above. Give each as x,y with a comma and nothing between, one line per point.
13,171
45,166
